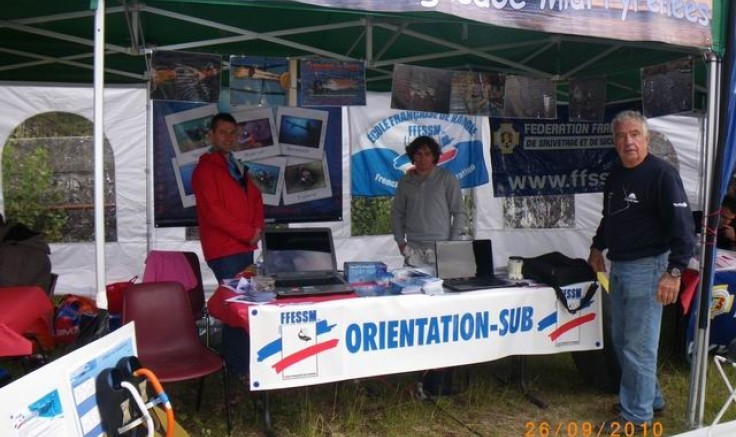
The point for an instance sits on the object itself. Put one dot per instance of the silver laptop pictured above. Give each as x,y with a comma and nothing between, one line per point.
467,265
302,262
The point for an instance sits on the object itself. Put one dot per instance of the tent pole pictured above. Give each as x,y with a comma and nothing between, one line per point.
150,218
99,138
699,363
723,167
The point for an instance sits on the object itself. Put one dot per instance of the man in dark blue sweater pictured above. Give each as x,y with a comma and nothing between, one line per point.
648,230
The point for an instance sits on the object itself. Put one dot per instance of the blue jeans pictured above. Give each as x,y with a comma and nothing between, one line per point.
228,266
235,341
636,317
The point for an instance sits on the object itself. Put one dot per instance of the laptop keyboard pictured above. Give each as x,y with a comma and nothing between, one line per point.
307,282
475,282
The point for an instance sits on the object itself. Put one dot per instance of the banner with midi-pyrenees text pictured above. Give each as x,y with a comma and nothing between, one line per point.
682,22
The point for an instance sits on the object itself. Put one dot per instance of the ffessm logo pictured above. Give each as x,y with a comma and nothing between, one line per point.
312,346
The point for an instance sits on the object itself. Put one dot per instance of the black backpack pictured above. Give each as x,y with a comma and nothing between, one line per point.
557,270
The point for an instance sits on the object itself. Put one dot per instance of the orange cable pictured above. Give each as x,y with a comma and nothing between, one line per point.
161,394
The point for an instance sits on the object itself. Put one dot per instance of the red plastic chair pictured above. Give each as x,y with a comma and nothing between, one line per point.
195,293
166,336
26,324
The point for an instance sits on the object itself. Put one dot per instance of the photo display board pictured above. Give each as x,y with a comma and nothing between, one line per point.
294,155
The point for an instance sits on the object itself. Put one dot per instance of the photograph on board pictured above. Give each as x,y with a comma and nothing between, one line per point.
420,88
259,80
529,97
305,180
268,174
329,82
301,131
587,98
188,131
256,134
474,93
667,88
183,173
185,77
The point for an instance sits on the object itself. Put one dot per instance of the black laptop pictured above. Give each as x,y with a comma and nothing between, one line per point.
302,262
467,265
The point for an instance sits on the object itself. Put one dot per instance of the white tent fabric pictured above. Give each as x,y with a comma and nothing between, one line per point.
125,125
125,120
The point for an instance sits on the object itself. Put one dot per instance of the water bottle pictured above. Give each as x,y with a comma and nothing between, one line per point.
259,265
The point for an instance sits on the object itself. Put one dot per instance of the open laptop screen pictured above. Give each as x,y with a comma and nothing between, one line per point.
464,259
455,259
303,250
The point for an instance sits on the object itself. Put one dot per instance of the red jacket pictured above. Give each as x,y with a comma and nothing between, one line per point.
228,215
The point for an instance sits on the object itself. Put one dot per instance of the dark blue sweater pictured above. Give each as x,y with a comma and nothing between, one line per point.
646,213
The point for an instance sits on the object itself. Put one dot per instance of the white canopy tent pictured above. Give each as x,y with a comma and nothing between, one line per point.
126,129
571,242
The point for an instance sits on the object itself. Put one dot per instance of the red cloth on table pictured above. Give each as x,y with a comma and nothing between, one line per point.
689,284
24,310
236,313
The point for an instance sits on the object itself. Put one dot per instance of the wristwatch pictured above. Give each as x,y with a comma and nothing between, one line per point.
675,272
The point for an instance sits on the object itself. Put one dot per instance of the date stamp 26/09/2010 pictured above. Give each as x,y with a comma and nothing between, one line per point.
591,429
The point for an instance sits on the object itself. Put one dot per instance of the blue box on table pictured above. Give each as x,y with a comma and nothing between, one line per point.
357,272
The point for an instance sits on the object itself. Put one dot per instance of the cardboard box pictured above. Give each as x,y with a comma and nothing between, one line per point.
357,272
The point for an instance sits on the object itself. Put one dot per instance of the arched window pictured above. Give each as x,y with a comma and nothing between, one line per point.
48,178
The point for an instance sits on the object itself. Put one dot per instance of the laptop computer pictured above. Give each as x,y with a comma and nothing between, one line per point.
467,265
302,262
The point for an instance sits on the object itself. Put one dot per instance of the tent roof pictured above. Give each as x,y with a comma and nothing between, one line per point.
53,41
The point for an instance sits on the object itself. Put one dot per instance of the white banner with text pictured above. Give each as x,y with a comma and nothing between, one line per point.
296,345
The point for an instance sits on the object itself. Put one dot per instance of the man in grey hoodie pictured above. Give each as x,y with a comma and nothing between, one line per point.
428,205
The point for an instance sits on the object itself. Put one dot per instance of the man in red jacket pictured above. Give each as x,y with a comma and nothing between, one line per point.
230,217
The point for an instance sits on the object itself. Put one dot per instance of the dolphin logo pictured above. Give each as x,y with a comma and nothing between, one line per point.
303,336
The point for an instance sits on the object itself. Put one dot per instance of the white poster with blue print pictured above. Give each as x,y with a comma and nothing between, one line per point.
379,137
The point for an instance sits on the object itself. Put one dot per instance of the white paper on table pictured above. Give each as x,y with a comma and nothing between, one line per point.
240,286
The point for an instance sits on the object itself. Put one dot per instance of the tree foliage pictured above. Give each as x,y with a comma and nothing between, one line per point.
53,124
60,199
371,215
28,188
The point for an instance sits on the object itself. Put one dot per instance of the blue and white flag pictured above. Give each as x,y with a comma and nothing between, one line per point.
379,138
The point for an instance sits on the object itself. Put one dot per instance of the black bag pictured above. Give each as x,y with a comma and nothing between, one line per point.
558,270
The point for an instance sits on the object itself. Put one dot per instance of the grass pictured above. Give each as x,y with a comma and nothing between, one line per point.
488,405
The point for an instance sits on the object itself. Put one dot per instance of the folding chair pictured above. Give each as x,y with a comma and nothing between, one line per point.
720,361
167,338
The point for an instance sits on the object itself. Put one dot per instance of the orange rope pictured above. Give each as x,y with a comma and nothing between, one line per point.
710,231
161,394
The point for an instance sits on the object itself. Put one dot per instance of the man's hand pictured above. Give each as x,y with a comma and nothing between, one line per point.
596,260
401,245
668,289
255,238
